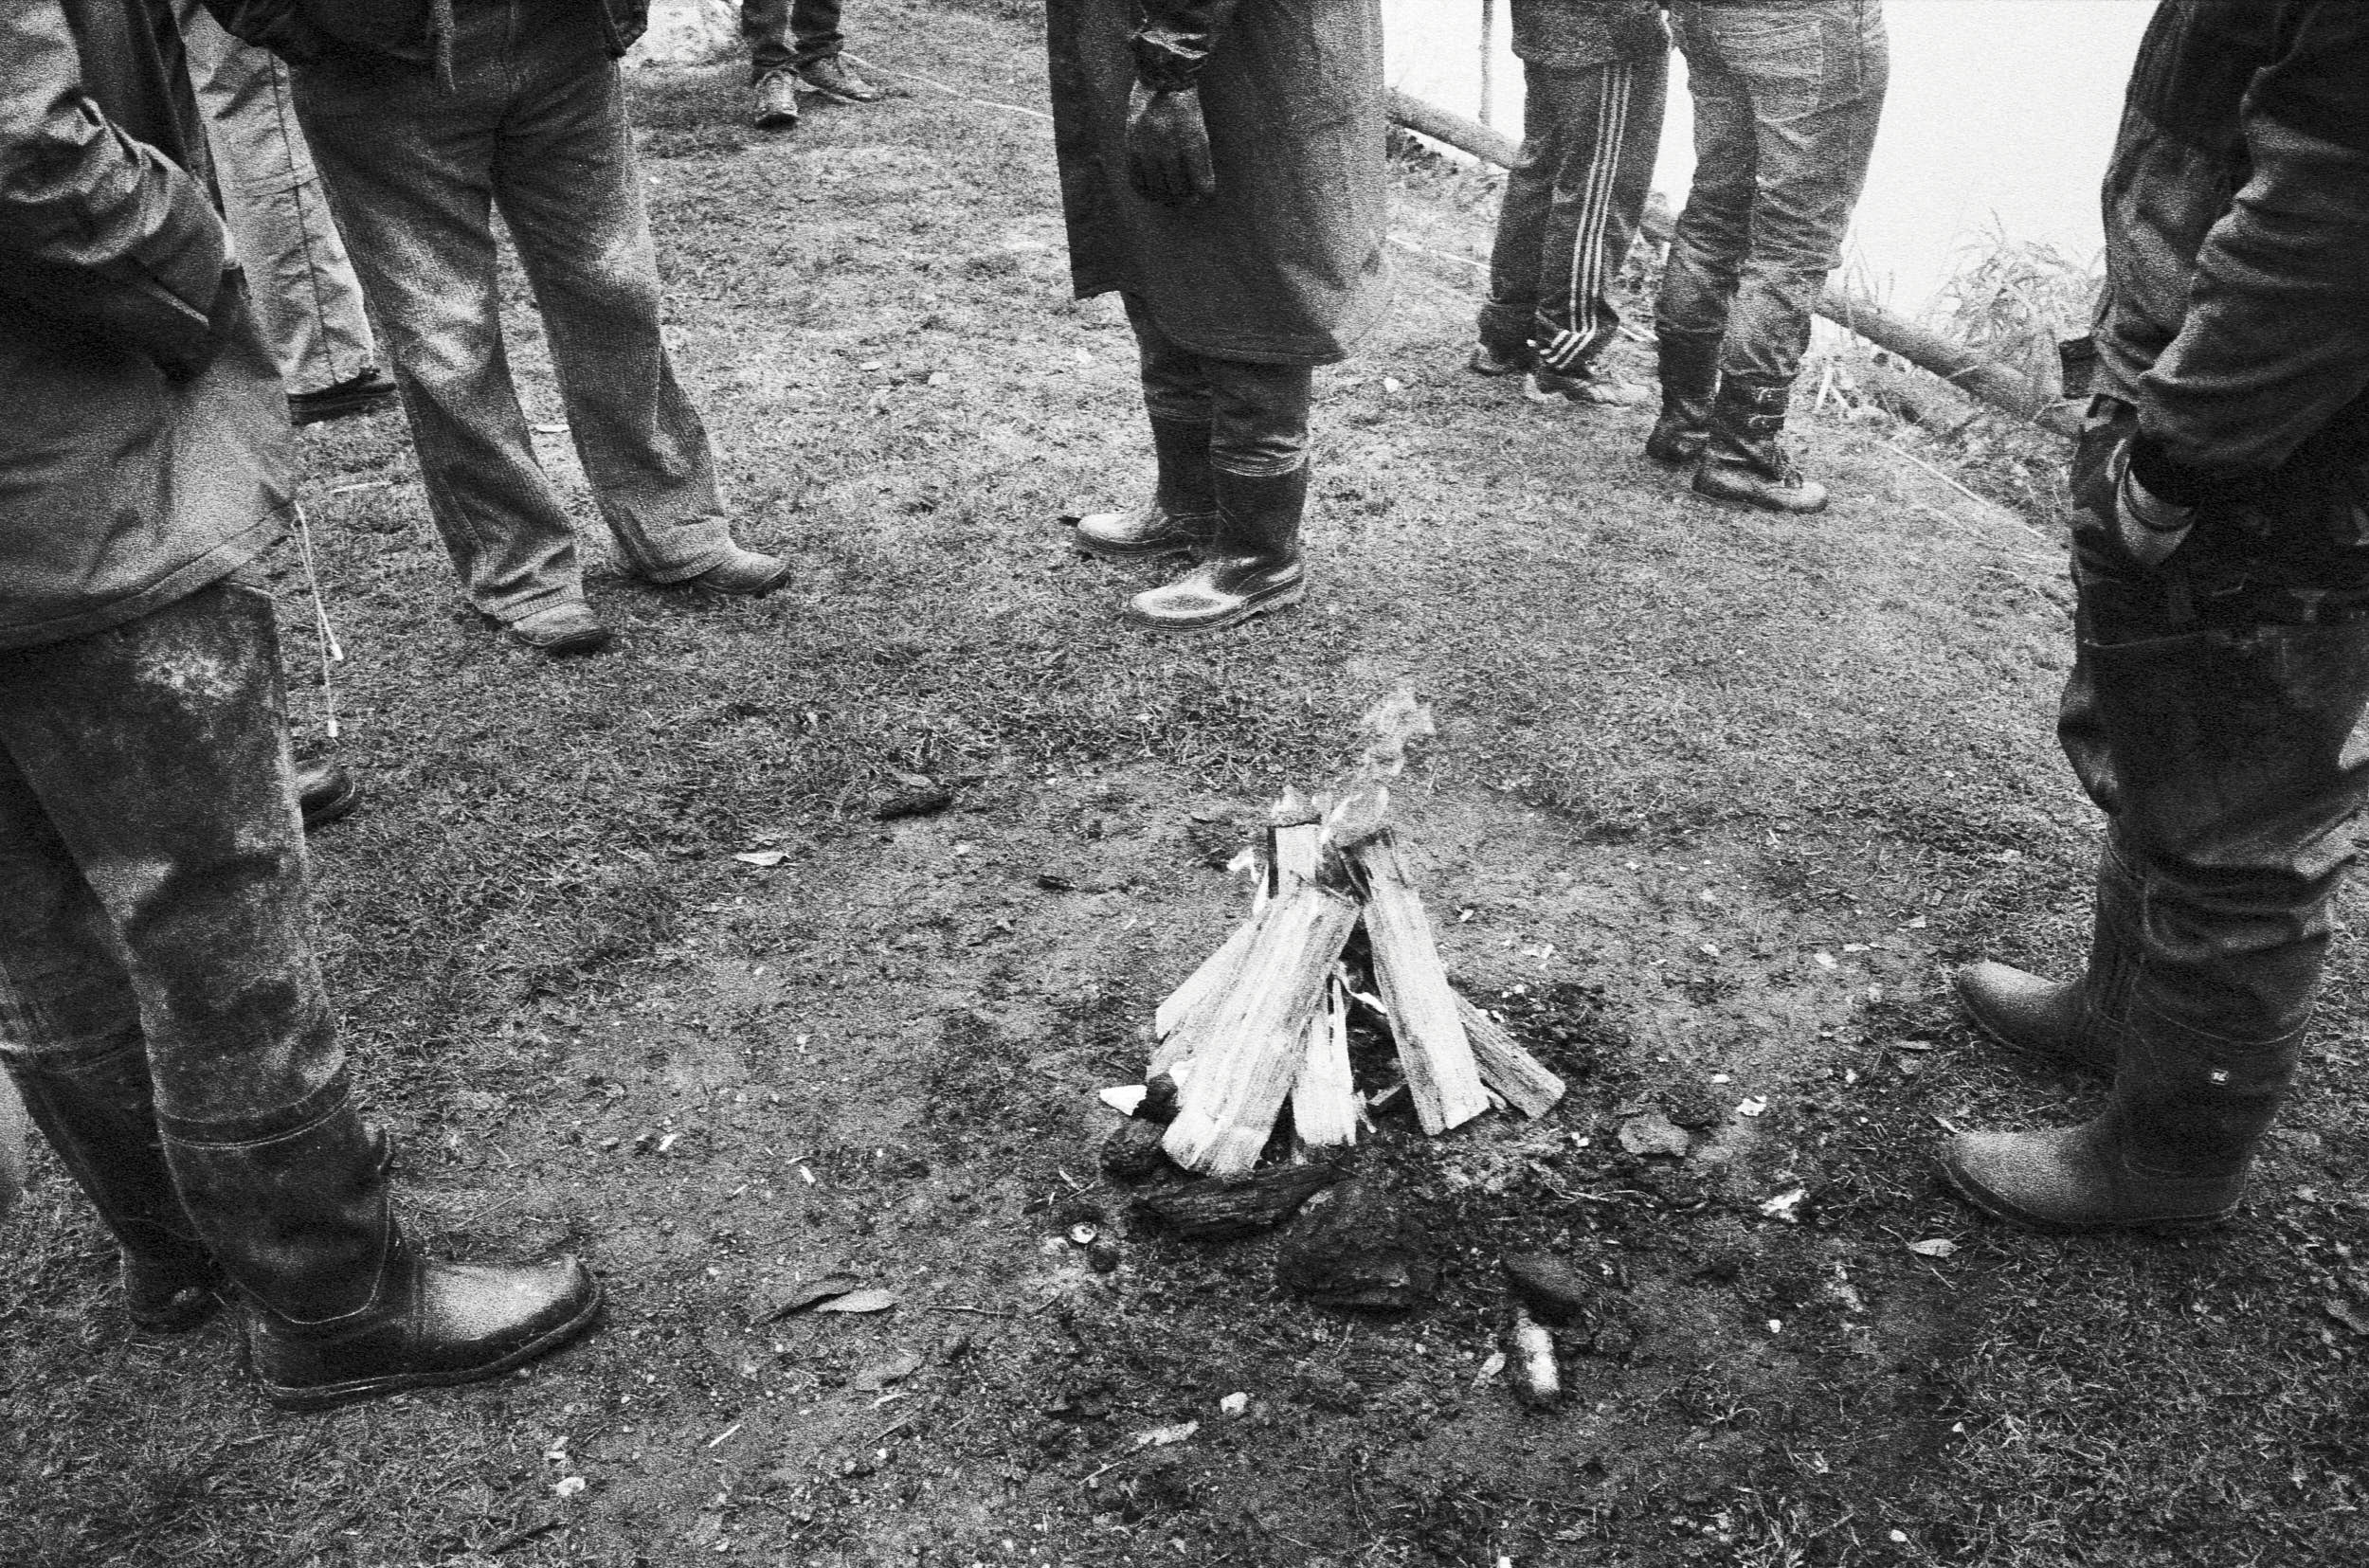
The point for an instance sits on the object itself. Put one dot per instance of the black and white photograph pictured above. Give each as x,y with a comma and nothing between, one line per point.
1183,784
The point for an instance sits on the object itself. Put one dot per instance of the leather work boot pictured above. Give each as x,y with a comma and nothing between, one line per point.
830,77
294,1205
98,1115
1744,461
1181,516
325,792
775,102
1488,360
1253,564
2170,1152
1592,383
366,393
1690,379
742,574
560,631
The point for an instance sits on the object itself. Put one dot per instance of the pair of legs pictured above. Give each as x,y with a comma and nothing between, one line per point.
1786,102
162,1014
794,42
1231,438
306,298
1572,206
2210,717
535,124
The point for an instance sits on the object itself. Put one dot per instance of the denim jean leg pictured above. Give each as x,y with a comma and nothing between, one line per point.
1258,417
157,752
1714,231
765,25
571,188
815,24
410,174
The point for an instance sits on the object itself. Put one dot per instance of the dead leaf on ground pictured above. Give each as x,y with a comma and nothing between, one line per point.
1160,1437
880,1373
859,1301
2350,1316
1937,1247
767,857
1787,1205
808,1292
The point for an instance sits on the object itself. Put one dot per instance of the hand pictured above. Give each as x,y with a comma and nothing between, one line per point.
1168,147
2148,527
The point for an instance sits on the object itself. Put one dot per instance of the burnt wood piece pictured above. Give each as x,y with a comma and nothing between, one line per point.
1215,1210
1133,1151
1353,1247
1247,1044
1507,1071
1550,1286
1441,1076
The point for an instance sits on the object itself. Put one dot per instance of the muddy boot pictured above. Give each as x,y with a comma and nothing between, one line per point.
1744,461
1690,379
2171,1151
100,1116
1253,564
295,1204
2075,1024
1182,513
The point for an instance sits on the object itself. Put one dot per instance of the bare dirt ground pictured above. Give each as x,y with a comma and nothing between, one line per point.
1715,802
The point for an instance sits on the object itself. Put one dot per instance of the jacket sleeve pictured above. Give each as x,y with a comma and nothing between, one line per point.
94,228
1176,37
2275,340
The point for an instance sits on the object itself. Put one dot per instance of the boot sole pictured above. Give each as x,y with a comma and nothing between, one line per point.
1120,553
1217,624
332,808
326,1395
1998,1208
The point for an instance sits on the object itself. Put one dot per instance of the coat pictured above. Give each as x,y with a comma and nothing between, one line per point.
1285,264
144,436
387,32
2234,318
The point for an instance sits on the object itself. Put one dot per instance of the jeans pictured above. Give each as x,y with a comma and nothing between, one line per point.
1786,102
306,298
535,124
151,862
2212,721
1256,414
1572,206
770,26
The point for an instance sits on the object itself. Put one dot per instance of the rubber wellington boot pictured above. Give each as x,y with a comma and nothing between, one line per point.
1744,461
100,1116
2170,1152
295,1204
1252,565
1182,513
1690,379
2077,1024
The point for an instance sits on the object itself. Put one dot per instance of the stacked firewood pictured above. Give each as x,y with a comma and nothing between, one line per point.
1265,1017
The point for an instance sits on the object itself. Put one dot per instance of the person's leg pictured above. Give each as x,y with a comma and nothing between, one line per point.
2215,732
1613,115
305,294
1522,224
1183,511
1708,244
568,183
70,1040
179,816
1260,472
1816,75
410,171
772,63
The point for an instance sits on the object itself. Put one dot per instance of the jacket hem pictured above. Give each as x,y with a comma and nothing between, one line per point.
216,564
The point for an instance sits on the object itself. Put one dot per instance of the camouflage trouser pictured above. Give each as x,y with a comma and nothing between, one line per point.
151,862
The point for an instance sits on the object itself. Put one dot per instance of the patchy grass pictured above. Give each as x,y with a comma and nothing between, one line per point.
1715,800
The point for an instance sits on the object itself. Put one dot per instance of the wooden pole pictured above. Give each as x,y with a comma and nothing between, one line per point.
1994,383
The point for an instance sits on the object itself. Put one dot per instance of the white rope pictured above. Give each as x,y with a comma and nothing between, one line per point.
330,650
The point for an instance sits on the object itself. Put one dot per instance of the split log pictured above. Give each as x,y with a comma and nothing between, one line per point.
1291,852
1211,979
1248,1043
1324,1097
1352,1247
1438,1058
1214,1210
1513,1073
